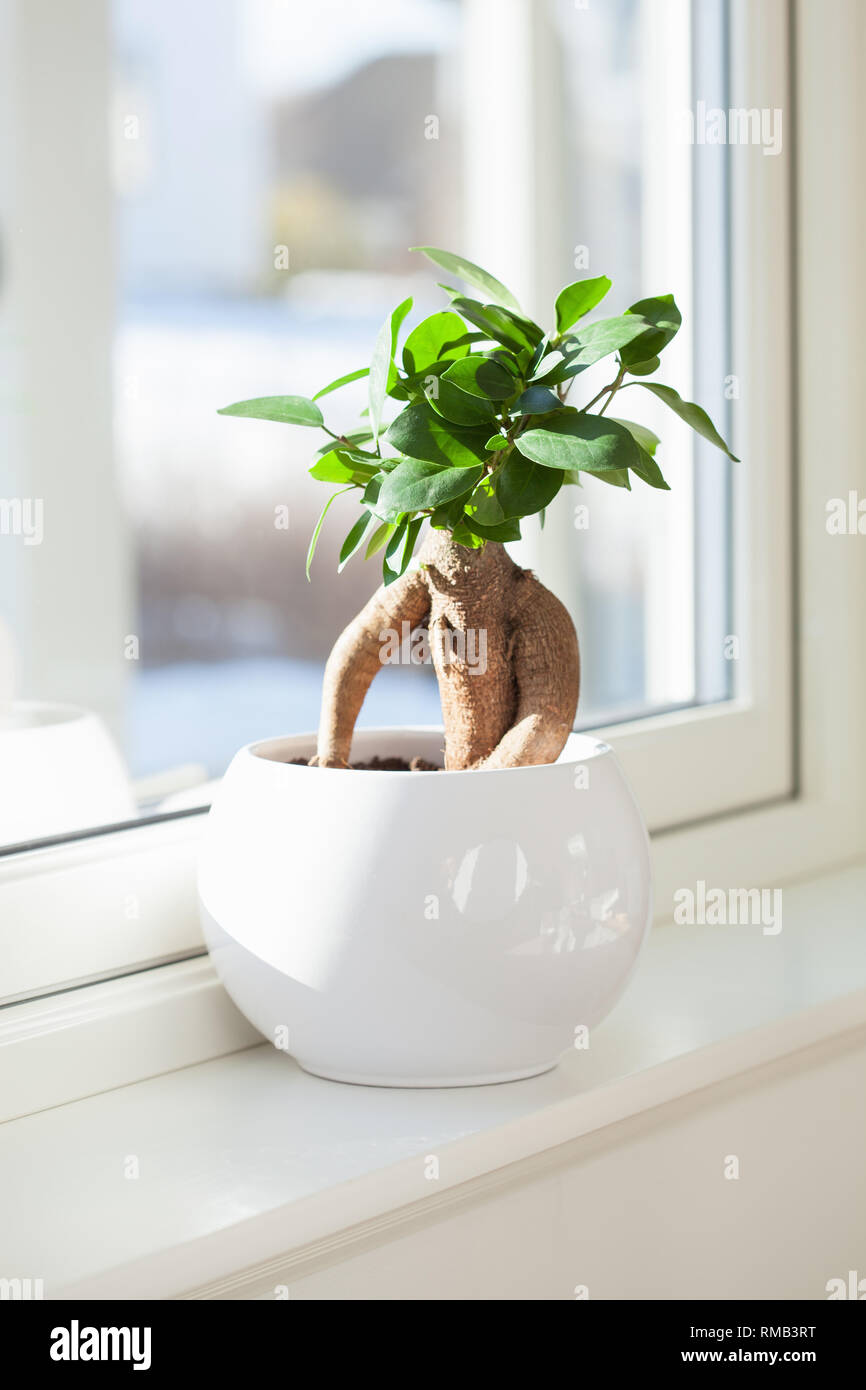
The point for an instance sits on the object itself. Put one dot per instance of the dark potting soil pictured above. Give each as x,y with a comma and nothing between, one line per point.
382,765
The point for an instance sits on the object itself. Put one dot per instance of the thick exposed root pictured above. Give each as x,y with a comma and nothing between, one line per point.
503,647
355,659
546,667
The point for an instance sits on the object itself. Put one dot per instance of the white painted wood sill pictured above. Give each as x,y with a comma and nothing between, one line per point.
248,1169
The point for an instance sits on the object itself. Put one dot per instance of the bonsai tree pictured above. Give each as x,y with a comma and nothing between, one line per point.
484,436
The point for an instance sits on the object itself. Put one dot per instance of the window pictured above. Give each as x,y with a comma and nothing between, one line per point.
191,213
276,251
261,212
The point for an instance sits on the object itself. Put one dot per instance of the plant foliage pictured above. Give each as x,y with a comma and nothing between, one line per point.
484,433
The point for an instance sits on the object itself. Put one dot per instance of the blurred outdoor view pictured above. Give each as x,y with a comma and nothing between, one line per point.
273,166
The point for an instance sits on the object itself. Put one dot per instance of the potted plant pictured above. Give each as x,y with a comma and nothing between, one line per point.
455,926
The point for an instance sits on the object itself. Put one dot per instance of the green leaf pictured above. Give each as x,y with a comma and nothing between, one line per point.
484,506
481,376
370,499
446,517
577,299
458,406
640,434
422,434
688,411
503,531
411,538
510,362
439,337
416,385
342,381
466,340
536,400
664,316
380,537
462,535
382,369
514,332
338,466
496,442
524,487
354,437
363,456
314,539
397,319
648,470
543,350
472,274
397,539
354,539
646,368
590,345
286,410
332,468
614,477
596,340
556,370
402,543
417,485
577,440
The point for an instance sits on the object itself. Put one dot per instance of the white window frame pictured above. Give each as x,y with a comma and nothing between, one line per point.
56,331
803,600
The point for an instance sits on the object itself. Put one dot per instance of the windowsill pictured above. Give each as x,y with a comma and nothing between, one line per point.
245,1159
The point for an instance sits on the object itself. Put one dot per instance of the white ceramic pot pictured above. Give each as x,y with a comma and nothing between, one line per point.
424,928
59,771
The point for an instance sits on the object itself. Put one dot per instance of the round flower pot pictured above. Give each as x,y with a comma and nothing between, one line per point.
424,928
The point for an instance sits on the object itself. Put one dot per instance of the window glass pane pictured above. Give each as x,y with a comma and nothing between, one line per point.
268,209
646,575
271,164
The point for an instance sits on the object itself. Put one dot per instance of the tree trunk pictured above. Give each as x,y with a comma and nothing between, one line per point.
504,650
